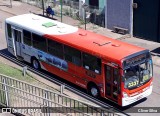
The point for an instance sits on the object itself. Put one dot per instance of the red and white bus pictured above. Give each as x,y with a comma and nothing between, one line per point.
118,71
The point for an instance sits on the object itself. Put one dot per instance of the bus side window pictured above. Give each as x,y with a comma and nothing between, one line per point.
39,42
72,55
115,76
108,73
116,80
55,48
27,37
92,63
9,31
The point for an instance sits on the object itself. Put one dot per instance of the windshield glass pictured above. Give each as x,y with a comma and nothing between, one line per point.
138,75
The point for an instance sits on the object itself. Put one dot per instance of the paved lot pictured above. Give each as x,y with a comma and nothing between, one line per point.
21,8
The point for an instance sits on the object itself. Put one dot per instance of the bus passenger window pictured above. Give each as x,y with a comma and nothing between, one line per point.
55,48
27,37
72,55
108,73
39,42
115,76
9,30
92,63
108,91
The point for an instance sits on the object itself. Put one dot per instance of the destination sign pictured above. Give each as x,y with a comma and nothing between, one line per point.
134,60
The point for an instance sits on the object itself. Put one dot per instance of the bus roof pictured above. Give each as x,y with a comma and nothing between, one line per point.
41,25
90,42
98,45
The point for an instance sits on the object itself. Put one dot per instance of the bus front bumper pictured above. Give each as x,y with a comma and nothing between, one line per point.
129,100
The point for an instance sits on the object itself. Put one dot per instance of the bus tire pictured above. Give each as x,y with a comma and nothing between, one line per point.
35,63
93,90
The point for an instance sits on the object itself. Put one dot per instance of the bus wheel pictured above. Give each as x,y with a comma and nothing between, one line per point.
94,91
35,63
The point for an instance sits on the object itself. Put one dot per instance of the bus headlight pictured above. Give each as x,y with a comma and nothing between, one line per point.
125,94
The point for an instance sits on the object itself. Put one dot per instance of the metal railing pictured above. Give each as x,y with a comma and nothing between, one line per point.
37,101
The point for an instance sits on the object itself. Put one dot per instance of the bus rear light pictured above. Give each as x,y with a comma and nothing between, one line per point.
125,94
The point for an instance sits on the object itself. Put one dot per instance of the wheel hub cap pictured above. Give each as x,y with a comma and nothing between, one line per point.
94,91
35,64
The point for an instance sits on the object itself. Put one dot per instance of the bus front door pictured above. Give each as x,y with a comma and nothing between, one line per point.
17,34
112,84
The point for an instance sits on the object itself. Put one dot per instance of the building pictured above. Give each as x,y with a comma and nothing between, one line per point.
97,10
140,17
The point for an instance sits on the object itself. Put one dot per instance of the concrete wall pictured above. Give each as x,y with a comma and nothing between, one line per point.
119,13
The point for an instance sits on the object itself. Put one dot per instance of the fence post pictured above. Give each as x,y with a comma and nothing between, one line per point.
6,91
62,88
102,113
47,103
24,70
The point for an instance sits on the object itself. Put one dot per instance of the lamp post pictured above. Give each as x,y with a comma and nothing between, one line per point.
61,9
11,3
85,18
85,6
43,6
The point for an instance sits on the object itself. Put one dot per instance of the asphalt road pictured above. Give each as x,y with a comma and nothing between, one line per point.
152,101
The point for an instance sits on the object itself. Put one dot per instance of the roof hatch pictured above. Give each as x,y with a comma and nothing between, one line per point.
83,34
102,44
116,45
49,24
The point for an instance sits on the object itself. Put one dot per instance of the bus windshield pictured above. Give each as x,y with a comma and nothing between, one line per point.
137,75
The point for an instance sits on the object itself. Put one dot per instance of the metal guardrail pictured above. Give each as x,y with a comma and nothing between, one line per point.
28,99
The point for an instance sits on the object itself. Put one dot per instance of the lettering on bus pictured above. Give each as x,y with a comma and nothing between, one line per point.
145,78
91,74
53,60
132,84
112,64
134,60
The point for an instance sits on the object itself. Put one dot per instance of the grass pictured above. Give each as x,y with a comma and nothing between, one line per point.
17,74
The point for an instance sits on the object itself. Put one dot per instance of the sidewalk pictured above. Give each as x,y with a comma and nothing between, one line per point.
22,8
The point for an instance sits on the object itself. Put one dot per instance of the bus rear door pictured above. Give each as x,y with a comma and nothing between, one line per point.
17,35
112,82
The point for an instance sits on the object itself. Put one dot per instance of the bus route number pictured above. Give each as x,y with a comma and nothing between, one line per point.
131,84
146,77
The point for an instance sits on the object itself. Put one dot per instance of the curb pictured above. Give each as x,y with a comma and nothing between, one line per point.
124,37
8,12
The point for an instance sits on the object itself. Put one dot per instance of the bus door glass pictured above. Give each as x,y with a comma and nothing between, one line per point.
112,85
10,40
17,34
